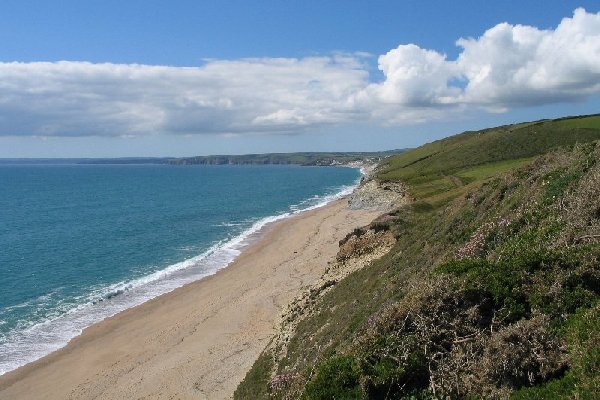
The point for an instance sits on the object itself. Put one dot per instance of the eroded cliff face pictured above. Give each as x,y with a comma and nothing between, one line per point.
364,243
357,250
375,195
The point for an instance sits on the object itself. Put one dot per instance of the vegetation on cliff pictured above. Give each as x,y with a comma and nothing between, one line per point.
490,291
306,159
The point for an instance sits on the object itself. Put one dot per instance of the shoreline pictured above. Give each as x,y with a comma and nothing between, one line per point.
132,293
225,318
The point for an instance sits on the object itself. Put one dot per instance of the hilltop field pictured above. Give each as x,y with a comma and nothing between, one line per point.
482,281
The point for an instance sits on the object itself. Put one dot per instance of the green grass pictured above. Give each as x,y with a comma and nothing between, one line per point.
433,187
559,389
255,384
486,171
592,122
442,166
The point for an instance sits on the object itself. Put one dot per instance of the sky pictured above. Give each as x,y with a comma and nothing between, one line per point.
180,78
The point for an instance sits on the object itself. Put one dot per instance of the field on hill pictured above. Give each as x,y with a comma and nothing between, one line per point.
492,287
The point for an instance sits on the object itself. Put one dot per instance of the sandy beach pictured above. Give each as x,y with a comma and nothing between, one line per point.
198,341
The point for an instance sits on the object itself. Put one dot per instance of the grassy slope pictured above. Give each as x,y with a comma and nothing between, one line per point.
471,156
352,343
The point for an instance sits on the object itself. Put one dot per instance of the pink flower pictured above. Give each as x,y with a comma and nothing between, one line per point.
279,382
504,222
476,243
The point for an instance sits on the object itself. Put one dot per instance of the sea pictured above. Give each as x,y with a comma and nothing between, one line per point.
79,243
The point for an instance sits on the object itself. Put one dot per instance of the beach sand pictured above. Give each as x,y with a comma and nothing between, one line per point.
198,341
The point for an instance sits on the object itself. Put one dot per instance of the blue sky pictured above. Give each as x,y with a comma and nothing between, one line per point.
282,75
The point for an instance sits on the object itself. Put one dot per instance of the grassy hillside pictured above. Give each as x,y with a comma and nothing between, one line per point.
443,165
491,290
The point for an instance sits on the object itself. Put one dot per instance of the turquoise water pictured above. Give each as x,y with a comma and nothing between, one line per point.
82,242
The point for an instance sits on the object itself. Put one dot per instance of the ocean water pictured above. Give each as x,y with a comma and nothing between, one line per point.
79,243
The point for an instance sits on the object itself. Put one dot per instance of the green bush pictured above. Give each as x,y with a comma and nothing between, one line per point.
501,282
390,373
520,282
336,378
582,381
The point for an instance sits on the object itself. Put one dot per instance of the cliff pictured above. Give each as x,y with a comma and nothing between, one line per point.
305,159
481,278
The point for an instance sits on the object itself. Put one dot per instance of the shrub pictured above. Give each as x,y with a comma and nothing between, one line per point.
523,354
393,367
582,381
336,378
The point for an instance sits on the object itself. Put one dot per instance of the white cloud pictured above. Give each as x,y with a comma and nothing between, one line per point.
508,66
512,65
251,95
415,76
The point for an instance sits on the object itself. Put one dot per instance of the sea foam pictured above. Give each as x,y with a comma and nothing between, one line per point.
29,343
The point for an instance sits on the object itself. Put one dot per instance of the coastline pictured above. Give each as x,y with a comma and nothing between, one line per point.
199,340
32,342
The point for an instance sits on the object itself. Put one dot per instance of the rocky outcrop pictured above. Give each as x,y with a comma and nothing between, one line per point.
375,195
363,242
